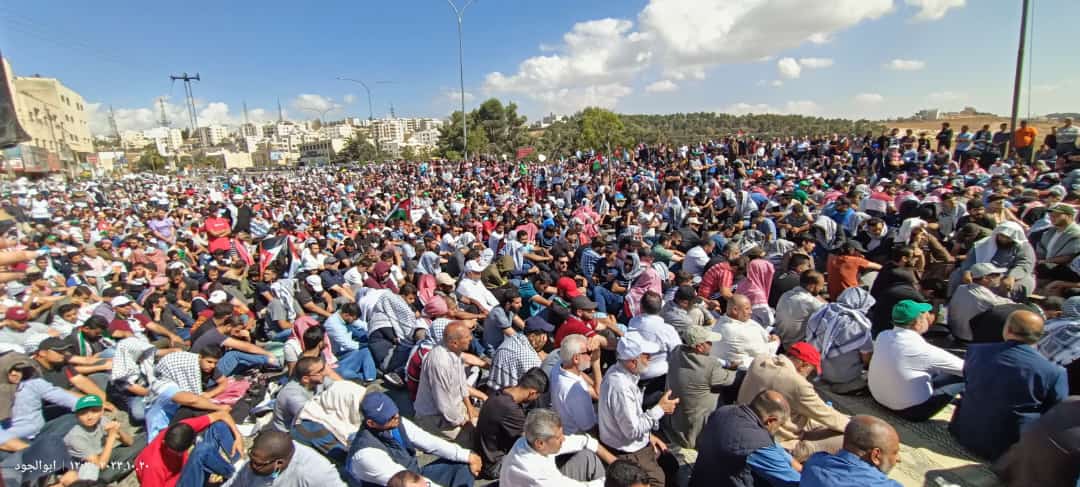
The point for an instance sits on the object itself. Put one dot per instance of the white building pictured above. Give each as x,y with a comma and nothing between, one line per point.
424,138
213,134
321,152
168,138
133,139
389,130
340,131
248,130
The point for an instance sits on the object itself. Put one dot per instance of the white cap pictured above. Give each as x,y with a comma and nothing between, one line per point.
474,266
633,344
315,282
218,297
120,301
984,269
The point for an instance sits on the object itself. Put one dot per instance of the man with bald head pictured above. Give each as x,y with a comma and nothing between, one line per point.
871,449
744,339
1009,385
276,460
442,400
736,447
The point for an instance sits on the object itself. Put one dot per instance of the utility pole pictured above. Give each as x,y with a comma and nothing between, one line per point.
460,14
193,117
1019,77
164,117
280,112
246,121
112,124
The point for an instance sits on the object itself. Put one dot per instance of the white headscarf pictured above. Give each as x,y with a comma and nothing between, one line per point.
986,248
337,409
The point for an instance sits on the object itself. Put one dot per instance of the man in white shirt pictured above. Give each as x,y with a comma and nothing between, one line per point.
531,462
698,257
796,306
653,328
473,292
744,339
625,426
387,444
572,390
911,377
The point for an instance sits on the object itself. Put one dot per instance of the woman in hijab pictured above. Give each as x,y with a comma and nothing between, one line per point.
643,278
328,421
756,285
1006,247
842,332
379,277
1061,340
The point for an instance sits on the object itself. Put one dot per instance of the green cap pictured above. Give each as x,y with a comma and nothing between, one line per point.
907,310
87,402
1063,208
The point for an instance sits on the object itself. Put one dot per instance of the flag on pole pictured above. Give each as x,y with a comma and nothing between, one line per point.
401,210
524,152
278,250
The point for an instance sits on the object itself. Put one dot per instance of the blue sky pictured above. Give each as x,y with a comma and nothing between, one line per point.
855,58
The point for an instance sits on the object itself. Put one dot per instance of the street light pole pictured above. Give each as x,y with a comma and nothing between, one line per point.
371,111
460,13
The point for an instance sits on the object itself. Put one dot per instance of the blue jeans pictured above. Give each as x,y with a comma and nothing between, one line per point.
357,364
607,301
946,387
136,408
234,362
181,315
212,455
161,411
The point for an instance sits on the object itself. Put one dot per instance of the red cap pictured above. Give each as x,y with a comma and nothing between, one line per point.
807,353
567,287
16,313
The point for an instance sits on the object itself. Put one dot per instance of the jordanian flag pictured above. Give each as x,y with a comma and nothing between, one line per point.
278,250
401,210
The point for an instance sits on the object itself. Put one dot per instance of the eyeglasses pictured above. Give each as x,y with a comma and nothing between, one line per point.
257,464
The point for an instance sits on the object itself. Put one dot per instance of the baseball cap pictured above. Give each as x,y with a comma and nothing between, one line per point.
218,297
445,279
378,407
1063,208
538,323
694,335
567,287
120,301
87,402
633,344
907,310
16,313
55,344
581,302
315,282
984,269
807,353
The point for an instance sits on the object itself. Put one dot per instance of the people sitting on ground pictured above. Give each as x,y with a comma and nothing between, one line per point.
278,461
697,379
102,445
797,305
1008,248
328,421
1048,452
310,376
387,444
909,376
871,450
502,419
842,332
736,447
970,300
744,339
1061,341
575,385
895,282
1007,386
533,462
813,426
444,399
166,458
520,353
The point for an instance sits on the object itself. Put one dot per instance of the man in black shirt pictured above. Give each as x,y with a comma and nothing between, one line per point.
502,420
50,360
782,283
945,136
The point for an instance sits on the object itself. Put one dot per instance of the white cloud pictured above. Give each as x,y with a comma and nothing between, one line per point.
454,96
349,99
815,62
905,65
316,105
934,9
149,116
869,98
568,100
662,86
599,59
943,96
796,107
776,83
789,68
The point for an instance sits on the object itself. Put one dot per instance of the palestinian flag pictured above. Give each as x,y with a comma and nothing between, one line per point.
278,250
401,210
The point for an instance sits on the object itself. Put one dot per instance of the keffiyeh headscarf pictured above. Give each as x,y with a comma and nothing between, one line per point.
182,369
134,359
986,248
843,326
337,409
1061,339
283,290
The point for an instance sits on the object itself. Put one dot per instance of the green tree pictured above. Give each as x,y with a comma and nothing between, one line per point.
601,129
151,160
494,129
408,153
358,149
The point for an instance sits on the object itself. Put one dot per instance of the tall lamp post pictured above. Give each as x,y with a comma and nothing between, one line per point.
371,111
460,13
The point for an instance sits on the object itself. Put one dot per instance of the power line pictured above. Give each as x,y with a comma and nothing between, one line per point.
192,115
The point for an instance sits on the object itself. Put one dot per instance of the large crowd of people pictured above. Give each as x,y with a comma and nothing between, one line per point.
570,322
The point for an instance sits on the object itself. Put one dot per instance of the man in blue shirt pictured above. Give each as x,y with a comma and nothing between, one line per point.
871,449
736,446
1009,386
348,341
